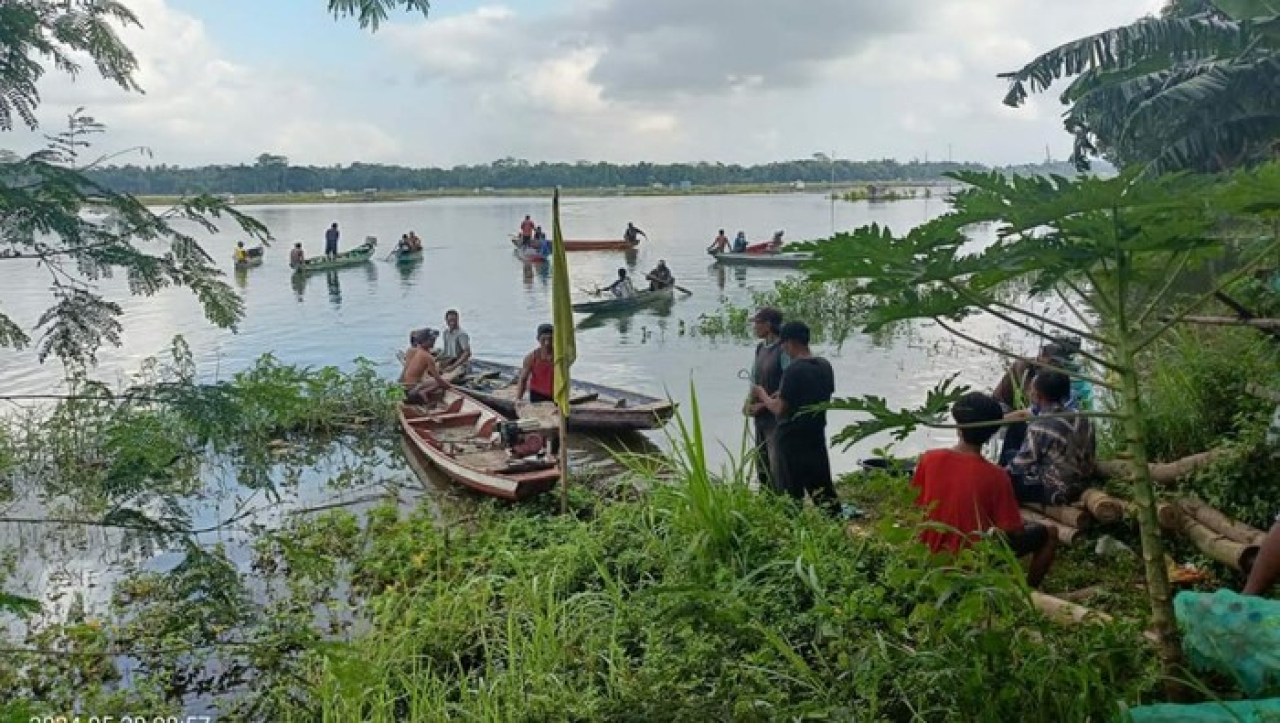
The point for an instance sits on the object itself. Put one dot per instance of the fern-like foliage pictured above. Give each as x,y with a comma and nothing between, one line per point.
1193,89
372,13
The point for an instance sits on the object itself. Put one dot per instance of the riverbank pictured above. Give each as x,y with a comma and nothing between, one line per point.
855,191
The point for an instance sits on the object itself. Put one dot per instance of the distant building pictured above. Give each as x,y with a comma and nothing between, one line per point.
329,192
686,185
798,185
370,192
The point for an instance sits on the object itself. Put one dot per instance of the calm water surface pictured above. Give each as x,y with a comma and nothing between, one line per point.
324,319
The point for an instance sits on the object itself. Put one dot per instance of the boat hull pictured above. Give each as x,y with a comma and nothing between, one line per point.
354,257
253,257
640,300
529,256
590,244
594,407
784,259
454,438
407,257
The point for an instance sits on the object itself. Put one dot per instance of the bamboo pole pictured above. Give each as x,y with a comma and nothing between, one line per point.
1272,324
1105,508
1220,523
1219,547
1169,516
1162,473
1065,612
564,460
1070,516
1066,533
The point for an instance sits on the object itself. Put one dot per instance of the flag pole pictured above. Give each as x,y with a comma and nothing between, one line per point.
563,343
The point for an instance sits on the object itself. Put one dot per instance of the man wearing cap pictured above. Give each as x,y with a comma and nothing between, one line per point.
800,460
421,377
660,277
766,371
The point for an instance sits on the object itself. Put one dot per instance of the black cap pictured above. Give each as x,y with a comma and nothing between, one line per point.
545,329
795,331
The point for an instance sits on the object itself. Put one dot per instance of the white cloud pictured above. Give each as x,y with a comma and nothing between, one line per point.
619,80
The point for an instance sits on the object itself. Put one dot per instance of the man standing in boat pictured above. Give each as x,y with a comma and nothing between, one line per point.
331,241
660,278
720,245
632,234
421,375
537,374
766,371
801,463
455,345
526,231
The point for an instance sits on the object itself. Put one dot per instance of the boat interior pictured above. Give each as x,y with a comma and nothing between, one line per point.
467,434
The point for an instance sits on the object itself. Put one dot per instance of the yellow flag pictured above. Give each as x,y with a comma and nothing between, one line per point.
561,310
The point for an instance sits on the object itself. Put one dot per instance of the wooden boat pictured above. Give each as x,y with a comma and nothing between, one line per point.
612,303
529,255
402,256
458,437
595,406
358,255
253,257
590,244
783,259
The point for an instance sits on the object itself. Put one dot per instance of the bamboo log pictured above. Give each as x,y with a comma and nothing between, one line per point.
1273,324
1261,392
1105,508
1071,516
1066,533
1065,612
1220,523
1219,547
1168,515
1163,473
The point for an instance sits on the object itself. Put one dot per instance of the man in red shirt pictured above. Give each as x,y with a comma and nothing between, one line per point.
971,496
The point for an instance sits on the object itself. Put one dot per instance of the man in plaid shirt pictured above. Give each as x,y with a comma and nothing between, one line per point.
1057,457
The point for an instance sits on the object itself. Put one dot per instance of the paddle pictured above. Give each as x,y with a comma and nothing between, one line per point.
682,290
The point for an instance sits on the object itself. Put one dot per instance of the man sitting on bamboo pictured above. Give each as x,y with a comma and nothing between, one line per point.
421,376
1058,456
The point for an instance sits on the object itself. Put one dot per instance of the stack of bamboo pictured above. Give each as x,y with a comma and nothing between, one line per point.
1232,543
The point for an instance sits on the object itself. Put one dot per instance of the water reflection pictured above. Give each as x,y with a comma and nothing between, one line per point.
335,287
408,271
241,275
299,284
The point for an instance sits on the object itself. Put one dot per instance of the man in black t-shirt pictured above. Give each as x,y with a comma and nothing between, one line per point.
800,460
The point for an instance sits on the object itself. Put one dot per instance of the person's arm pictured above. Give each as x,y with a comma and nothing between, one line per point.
522,383
464,349
774,403
433,370
1266,569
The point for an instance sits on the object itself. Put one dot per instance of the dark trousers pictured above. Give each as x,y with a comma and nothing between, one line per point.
330,248
764,456
801,465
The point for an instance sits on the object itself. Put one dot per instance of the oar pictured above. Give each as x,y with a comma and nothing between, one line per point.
589,293
682,290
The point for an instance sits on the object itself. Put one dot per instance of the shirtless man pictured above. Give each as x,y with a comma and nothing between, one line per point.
421,376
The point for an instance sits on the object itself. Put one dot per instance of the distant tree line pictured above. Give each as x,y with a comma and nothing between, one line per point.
274,174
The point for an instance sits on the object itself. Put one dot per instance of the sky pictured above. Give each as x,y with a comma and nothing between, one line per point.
565,80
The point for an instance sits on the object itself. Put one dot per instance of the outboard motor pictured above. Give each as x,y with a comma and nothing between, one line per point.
520,439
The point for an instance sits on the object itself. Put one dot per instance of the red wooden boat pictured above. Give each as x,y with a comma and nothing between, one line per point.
589,244
458,437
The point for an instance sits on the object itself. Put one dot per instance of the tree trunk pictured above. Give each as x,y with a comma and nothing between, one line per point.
1072,516
1220,523
1105,508
1159,591
1066,533
1162,473
1236,555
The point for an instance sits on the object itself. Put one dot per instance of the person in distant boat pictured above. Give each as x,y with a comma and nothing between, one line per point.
240,255
775,243
632,234
421,375
538,235
296,256
526,231
660,277
455,344
544,243
740,242
622,288
415,243
404,245
537,374
331,240
720,245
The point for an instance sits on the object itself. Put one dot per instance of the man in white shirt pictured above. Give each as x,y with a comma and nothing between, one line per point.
455,344
622,288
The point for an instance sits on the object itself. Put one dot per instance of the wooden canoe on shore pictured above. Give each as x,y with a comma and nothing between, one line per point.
595,407
629,303
783,259
457,437
358,255
590,244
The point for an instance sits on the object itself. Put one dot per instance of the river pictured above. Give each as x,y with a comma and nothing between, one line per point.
330,319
